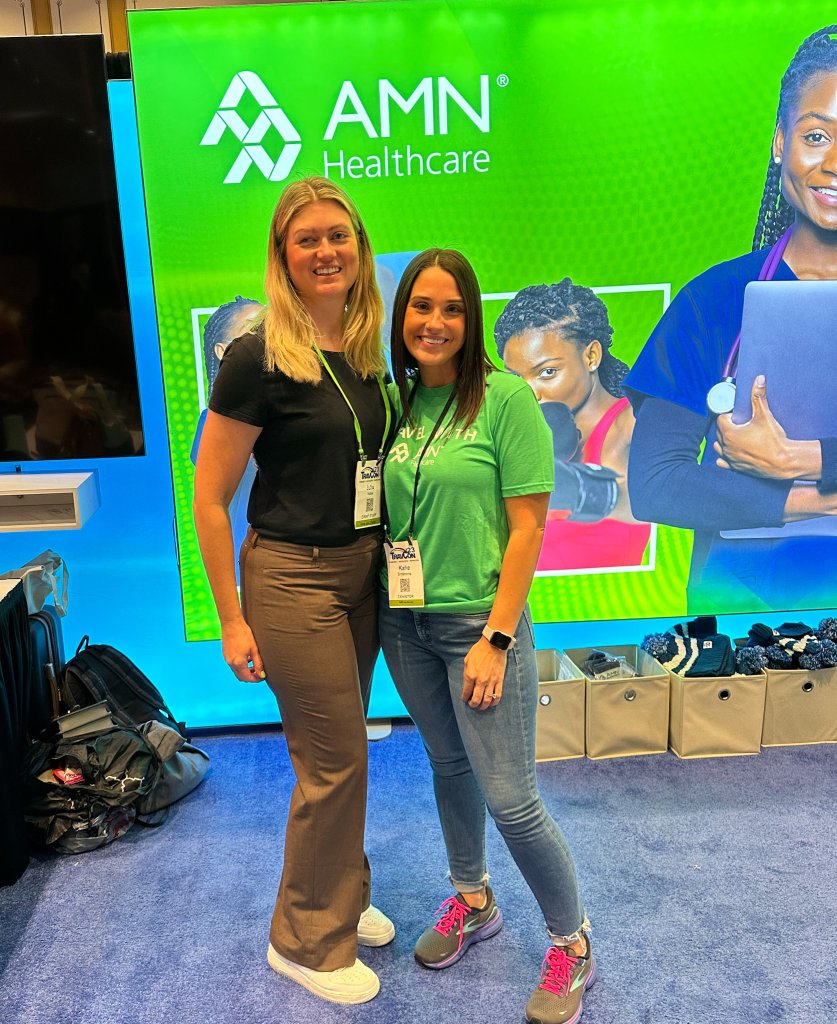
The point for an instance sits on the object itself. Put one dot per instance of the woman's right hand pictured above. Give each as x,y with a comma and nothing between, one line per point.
225,448
241,652
760,447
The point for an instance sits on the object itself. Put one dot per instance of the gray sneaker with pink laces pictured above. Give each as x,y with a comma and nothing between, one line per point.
565,976
458,926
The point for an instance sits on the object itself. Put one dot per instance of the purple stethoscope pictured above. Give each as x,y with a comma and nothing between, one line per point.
720,398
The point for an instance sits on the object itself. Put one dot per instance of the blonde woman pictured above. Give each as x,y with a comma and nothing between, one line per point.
304,394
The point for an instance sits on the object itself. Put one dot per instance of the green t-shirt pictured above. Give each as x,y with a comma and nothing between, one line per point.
461,524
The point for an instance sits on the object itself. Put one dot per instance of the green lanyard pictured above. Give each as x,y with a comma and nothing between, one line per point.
380,381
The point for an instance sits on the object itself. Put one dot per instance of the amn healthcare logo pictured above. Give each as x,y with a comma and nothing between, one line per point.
252,151
435,105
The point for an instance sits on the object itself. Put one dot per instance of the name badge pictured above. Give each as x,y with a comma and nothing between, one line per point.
406,579
367,494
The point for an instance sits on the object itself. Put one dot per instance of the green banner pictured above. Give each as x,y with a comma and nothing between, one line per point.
622,144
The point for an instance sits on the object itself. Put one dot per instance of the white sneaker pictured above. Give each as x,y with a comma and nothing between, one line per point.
374,928
355,984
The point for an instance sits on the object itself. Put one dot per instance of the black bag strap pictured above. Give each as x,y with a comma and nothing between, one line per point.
154,819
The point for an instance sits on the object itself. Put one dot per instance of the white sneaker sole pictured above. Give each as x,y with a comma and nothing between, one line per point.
383,937
308,979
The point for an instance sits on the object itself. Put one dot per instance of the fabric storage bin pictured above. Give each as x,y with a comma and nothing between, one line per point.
716,716
559,725
800,707
624,717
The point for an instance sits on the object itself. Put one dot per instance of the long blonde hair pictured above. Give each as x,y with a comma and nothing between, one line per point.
288,327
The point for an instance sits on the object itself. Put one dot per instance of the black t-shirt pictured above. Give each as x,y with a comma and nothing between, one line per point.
307,451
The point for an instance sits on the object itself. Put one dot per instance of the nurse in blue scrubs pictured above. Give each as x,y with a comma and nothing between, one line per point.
750,475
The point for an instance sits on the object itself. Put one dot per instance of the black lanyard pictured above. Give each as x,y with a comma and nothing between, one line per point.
427,444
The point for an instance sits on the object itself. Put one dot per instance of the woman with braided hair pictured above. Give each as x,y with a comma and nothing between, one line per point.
557,337
750,475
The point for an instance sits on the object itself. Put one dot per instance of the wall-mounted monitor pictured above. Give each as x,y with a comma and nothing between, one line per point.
68,376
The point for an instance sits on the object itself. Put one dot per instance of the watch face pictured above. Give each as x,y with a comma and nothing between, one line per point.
500,640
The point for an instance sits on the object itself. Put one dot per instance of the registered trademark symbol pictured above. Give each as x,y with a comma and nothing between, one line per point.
502,81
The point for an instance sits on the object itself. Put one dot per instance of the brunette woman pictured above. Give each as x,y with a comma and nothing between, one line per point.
467,484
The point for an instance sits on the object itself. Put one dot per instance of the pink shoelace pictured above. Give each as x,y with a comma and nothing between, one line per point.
557,970
451,913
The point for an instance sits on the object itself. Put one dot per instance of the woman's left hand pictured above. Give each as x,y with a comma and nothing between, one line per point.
759,447
485,668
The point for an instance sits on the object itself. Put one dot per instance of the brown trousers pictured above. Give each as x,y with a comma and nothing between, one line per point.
313,612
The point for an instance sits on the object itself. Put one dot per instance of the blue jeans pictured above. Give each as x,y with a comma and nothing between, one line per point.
481,758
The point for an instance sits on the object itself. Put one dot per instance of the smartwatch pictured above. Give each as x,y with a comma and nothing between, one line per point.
502,641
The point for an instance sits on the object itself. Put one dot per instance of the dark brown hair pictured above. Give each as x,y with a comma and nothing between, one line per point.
474,365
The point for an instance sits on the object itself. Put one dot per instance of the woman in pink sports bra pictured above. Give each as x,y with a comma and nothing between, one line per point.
557,338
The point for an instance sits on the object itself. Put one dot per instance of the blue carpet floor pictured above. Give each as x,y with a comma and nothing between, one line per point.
710,884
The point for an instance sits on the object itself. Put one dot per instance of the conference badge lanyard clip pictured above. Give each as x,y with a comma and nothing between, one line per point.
368,471
720,398
405,574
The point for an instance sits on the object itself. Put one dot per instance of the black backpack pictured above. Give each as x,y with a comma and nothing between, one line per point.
85,789
99,672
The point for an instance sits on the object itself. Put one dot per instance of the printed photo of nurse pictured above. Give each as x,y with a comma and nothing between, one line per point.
760,497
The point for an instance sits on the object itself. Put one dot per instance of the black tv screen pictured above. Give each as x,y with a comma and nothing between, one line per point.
68,374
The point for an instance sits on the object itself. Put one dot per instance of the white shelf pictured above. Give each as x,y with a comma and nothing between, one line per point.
47,501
